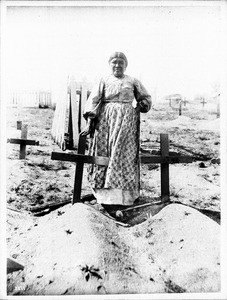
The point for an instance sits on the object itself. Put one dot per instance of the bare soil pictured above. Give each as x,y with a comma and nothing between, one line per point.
38,180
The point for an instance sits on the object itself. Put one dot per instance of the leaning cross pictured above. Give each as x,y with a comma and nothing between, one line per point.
164,159
23,141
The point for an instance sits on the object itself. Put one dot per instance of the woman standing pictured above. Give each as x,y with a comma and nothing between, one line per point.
113,124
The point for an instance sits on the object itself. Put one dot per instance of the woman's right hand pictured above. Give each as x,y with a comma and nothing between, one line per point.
86,131
88,128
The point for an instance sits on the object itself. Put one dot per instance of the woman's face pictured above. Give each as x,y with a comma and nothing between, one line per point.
118,66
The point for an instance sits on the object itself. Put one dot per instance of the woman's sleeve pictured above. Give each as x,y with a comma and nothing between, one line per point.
142,96
92,105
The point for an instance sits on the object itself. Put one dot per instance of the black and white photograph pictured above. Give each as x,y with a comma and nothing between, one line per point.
113,149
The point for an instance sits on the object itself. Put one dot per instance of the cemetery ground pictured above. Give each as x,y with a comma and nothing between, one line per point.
75,249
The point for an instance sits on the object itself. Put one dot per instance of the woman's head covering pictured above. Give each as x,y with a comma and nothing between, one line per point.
119,55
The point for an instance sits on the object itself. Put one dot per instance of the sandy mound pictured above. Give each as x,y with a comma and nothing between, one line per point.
185,246
80,251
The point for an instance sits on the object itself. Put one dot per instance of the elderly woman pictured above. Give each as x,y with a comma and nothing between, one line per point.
113,123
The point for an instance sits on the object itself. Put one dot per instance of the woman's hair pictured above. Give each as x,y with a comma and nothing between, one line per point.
118,55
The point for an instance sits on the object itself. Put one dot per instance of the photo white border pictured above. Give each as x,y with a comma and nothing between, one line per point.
223,5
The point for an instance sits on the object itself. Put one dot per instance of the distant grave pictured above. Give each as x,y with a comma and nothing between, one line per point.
23,141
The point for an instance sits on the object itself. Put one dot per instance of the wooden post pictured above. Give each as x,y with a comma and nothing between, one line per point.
83,100
19,125
218,110
79,171
70,124
75,112
164,143
24,133
180,108
203,101
13,265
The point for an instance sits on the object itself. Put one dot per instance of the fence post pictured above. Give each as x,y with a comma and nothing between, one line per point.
83,100
75,112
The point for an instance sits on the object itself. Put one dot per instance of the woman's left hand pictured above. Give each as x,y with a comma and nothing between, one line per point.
142,106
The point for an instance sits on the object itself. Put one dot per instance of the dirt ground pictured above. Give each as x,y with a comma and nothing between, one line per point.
38,180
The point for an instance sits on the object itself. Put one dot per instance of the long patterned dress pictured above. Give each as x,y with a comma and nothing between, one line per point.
116,136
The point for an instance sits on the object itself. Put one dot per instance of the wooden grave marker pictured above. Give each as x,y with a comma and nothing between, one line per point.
164,159
218,110
23,141
180,108
203,101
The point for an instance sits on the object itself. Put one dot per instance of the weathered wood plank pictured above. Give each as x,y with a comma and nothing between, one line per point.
79,171
13,265
103,161
70,124
51,206
60,96
80,158
180,108
19,125
22,142
83,100
24,133
155,159
164,143
75,112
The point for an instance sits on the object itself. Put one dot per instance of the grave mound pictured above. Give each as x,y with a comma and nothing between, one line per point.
81,251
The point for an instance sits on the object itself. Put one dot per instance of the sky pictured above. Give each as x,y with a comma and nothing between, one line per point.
171,49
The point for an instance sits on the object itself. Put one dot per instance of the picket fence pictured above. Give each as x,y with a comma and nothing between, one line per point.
68,118
29,99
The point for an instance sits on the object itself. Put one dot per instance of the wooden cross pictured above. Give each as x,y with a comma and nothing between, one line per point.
23,141
203,101
164,159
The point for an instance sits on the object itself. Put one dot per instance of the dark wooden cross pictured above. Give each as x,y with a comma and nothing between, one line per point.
164,159
203,101
23,141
